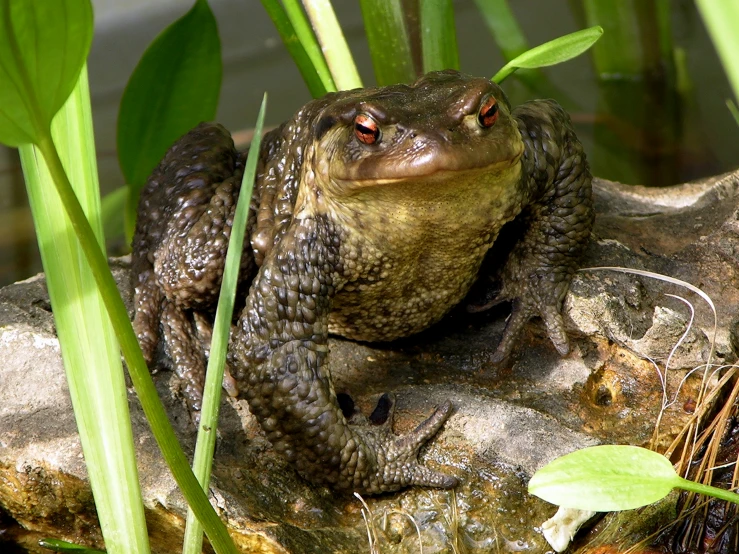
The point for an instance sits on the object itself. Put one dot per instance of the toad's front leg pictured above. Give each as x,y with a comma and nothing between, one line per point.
556,223
279,349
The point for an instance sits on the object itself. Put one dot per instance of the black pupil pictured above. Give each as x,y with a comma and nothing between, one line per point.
490,112
366,130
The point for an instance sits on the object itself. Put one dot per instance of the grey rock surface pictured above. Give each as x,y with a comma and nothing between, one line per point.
509,420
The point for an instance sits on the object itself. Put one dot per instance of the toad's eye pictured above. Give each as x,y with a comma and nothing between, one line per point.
366,129
488,114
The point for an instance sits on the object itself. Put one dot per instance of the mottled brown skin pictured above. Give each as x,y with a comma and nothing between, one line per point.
369,241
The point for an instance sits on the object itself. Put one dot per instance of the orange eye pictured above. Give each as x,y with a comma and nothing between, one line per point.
366,129
488,114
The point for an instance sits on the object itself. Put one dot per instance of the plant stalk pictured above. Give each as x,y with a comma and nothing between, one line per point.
138,370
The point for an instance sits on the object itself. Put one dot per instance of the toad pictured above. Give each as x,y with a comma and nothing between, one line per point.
372,212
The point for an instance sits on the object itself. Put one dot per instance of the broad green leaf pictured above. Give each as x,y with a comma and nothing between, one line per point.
438,36
277,14
605,478
203,459
553,52
388,40
174,87
42,50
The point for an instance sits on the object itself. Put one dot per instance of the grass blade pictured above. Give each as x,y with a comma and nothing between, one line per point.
287,33
63,546
305,35
333,44
89,348
553,52
203,459
438,36
388,40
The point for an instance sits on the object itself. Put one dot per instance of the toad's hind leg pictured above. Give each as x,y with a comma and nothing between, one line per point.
184,223
280,346
557,223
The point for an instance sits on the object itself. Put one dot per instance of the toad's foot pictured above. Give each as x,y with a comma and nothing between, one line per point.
541,296
397,456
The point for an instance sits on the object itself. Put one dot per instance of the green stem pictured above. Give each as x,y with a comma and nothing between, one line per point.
305,34
333,44
285,29
438,35
708,490
389,41
140,376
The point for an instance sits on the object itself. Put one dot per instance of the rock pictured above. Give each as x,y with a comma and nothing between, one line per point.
509,419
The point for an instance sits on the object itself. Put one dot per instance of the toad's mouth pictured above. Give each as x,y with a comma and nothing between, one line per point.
420,168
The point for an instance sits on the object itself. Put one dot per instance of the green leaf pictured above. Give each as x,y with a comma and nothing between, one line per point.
438,36
174,87
388,41
553,52
277,14
605,478
42,50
